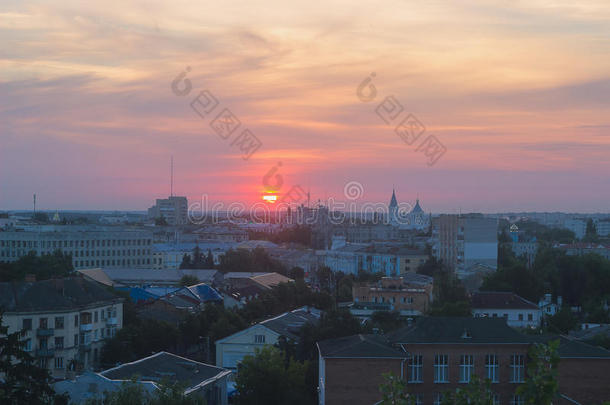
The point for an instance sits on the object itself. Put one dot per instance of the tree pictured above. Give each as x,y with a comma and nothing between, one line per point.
563,321
187,280
591,232
22,381
541,385
54,265
209,260
477,392
160,221
133,393
186,262
394,391
269,377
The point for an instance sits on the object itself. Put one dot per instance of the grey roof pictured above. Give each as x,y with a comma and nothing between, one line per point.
52,295
150,276
459,330
569,348
166,365
500,300
289,323
355,346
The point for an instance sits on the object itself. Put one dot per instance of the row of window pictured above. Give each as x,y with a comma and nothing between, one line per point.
75,243
83,253
86,317
380,299
521,316
441,368
79,339
123,262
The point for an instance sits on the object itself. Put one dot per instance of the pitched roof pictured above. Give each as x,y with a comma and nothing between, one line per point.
356,346
289,323
167,365
146,276
393,202
269,280
462,330
49,295
500,300
570,348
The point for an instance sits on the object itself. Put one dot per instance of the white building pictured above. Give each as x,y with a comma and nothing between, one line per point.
64,321
231,350
173,209
89,246
578,226
518,312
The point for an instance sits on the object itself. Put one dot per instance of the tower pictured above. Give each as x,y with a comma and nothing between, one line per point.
393,209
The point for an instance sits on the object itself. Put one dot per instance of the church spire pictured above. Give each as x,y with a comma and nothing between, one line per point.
393,202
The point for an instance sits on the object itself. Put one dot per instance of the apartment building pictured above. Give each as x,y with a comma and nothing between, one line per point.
89,246
64,321
173,209
465,241
515,310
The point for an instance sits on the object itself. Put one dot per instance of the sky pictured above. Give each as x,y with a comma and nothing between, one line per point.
516,93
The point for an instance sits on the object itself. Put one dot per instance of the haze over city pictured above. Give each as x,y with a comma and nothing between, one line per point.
519,97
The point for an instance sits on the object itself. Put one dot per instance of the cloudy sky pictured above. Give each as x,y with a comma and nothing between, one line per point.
517,92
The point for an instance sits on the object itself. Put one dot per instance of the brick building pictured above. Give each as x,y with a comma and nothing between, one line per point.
441,354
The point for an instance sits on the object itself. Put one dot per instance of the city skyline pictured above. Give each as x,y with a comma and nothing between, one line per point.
519,96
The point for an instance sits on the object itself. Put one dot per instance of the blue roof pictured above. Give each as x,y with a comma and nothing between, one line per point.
138,294
205,293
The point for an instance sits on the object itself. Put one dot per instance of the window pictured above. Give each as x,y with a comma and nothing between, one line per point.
95,316
76,339
530,317
438,398
491,368
416,364
495,398
517,400
59,322
27,324
441,368
520,317
59,342
27,345
259,338
466,367
419,399
75,320
517,368
43,323
59,362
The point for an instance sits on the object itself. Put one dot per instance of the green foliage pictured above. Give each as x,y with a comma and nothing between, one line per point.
269,377
188,280
43,267
41,217
386,321
563,321
160,221
22,381
133,393
300,234
477,392
541,385
394,391
450,297
255,261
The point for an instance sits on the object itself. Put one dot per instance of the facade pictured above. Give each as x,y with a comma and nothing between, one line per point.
442,354
64,321
578,226
528,250
517,311
88,246
463,241
410,295
231,350
174,209
578,249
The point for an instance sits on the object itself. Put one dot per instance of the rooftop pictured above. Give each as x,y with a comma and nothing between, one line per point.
500,300
289,323
355,346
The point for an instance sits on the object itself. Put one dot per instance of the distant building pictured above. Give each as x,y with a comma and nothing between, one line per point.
578,226
89,246
170,255
222,233
517,311
64,321
602,227
410,294
415,219
149,277
231,350
581,248
462,241
173,209
548,307
527,250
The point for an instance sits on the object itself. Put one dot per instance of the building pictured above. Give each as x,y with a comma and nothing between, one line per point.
170,255
517,311
173,209
89,246
527,250
410,294
578,226
581,248
200,379
548,307
463,241
231,350
222,233
149,277
602,227
64,321
437,354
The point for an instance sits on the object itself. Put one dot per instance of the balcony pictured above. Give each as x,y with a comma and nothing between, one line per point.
112,321
45,332
86,327
45,352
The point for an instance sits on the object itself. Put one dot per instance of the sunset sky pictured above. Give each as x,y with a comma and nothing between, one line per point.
517,91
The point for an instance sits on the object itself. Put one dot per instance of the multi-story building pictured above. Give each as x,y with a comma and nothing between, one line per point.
527,250
170,255
173,209
89,246
464,241
603,227
438,354
576,225
517,311
410,294
64,321
389,259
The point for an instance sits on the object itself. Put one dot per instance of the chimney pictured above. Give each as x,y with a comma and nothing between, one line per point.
30,278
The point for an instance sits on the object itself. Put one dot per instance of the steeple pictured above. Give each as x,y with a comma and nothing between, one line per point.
393,202
417,209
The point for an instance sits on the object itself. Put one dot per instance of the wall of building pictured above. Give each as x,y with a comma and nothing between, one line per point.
232,349
584,380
